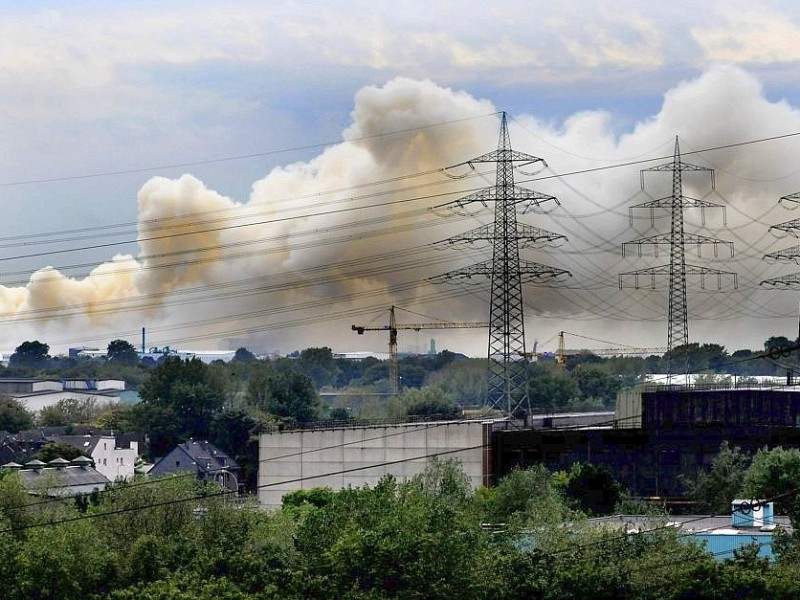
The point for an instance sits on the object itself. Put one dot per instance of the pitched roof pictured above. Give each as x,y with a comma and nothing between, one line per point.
202,456
84,443
207,455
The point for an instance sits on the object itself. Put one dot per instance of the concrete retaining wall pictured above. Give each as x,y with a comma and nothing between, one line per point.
338,458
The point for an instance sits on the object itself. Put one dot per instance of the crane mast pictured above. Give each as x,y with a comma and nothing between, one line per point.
393,327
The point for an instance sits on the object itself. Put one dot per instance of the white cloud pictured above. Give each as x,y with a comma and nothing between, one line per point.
616,41
750,35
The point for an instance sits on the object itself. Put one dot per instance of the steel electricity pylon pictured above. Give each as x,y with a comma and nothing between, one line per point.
507,388
677,240
790,255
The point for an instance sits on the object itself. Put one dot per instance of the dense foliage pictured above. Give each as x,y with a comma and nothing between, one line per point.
428,537
13,415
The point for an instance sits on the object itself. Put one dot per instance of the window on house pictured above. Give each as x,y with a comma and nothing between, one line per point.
177,463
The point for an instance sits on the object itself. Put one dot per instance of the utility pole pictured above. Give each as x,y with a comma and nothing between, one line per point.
393,328
507,388
676,239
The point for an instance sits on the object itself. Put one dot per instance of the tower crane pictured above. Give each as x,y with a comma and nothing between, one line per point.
393,327
563,351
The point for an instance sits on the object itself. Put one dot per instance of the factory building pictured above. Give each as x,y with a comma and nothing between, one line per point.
657,435
661,433
338,455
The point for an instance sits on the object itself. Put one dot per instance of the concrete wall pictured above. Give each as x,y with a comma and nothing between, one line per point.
338,458
628,409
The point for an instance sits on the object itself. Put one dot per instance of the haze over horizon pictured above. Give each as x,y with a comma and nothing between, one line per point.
268,176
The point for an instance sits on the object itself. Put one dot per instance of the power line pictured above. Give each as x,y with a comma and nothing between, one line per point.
241,156
421,173
372,206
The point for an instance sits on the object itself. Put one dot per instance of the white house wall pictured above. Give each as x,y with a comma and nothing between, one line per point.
114,463
339,458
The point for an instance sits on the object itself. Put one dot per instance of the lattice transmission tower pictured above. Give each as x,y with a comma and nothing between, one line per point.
789,255
677,269
507,383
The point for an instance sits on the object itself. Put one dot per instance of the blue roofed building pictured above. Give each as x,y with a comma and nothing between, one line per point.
750,522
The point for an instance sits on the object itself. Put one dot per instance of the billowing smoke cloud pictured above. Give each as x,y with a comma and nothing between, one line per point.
319,245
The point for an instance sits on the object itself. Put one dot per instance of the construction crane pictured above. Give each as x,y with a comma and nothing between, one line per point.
563,351
393,327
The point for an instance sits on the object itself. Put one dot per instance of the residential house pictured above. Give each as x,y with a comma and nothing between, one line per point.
209,462
111,458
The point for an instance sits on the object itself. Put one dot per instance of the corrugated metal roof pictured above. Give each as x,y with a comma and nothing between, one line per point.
63,481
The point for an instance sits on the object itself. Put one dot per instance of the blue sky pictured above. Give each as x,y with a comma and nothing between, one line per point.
93,88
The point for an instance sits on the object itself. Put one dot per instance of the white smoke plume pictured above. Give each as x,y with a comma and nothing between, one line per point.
317,246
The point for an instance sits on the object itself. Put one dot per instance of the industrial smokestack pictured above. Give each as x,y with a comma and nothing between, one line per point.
143,346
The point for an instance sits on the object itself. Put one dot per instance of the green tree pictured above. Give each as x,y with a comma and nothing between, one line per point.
777,344
243,355
700,357
551,388
318,497
774,474
69,411
236,432
339,413
31,355
116,416
415,539
14,417
57,562
122,351
427,402
462,379
592,489
714,489
179,401
293,396
594,382
319,365
524,497
258,384
712,379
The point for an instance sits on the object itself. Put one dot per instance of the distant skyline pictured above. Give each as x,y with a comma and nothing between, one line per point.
254,100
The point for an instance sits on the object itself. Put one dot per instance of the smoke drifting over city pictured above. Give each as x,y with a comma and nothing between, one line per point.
335,240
